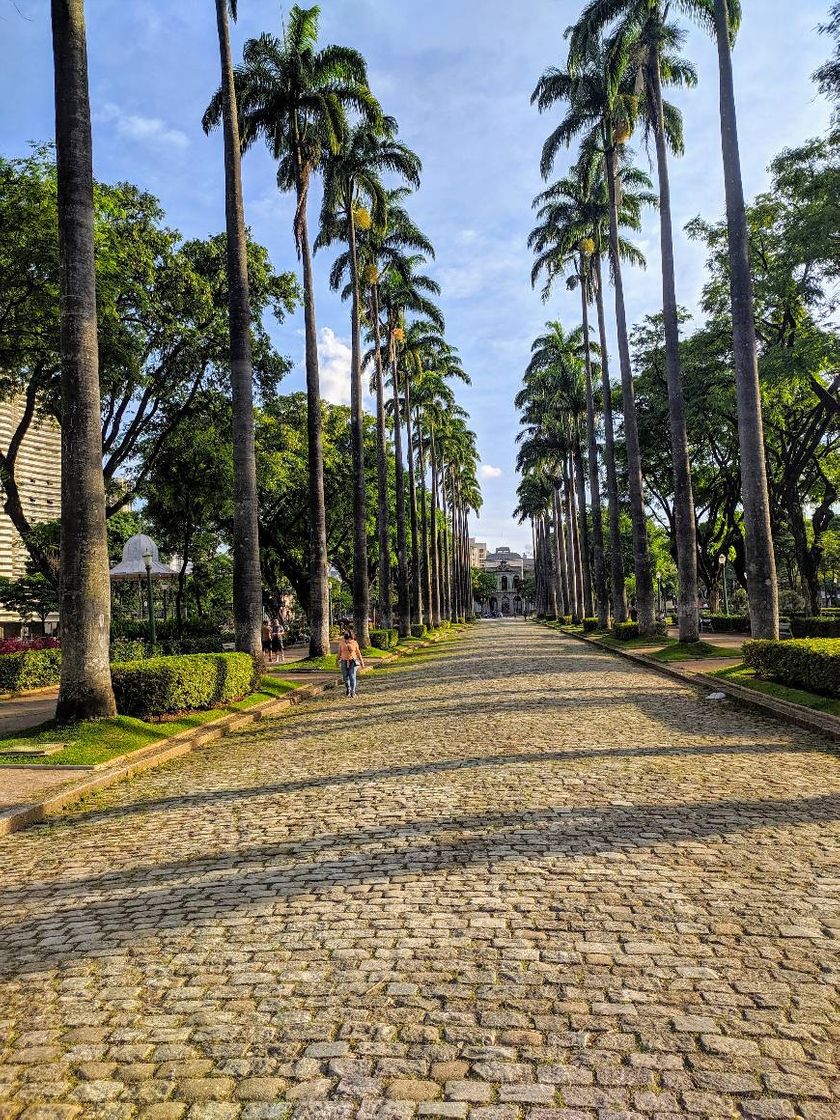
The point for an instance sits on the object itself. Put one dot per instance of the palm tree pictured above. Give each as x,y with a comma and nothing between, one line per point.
598,108
644,42
85,690
247,576
403,290
354,196
761,564
573,232
296,98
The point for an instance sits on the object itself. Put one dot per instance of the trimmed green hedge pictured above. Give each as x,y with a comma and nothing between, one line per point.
127,649
163,686
590,624
730,623
812,664
624,631
818,627
418,630
385,639
31,668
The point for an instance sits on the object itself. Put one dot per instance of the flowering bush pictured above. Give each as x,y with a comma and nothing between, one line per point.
22,645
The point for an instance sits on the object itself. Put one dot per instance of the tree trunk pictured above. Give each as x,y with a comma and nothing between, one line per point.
361,588
247,577
319,600
383,518
685,525
565,587
619,599
444,559
761,564
416,594
587,604
573,547
436,588
602,599
85,690
424,525
641,552
403,589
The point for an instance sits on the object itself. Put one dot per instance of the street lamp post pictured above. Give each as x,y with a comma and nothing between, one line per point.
147,560
722,562
659,592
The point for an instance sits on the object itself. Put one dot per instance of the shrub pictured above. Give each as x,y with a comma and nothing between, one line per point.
30,668
590,624
731,623
163,686
812,664
815,627
624,631
21,645
418,630
127,649
385,638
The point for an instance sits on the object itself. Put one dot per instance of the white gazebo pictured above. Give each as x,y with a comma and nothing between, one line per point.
141,558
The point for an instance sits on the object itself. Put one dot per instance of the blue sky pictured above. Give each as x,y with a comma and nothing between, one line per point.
457,75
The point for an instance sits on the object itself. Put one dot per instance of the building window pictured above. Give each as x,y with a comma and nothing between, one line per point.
504,583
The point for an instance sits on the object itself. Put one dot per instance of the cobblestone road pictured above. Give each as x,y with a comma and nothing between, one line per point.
528,880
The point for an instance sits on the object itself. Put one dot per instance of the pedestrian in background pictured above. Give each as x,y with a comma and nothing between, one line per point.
266,641
350,660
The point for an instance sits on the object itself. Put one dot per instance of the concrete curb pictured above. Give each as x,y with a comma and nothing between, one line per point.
106,774
768,705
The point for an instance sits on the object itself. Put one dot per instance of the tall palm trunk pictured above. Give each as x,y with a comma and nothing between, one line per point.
641,552
444,559
85,601
564,583
592,450
403,589
361,588
433,527
416,594
561,582
424,523
761,565
587,605
554,604
619,601
572,546
383,519
247,576
319,607
684,519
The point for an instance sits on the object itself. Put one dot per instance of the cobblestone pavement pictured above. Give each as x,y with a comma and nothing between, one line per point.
524,880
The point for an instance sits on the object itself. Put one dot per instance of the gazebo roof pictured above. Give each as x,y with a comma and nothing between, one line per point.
133,566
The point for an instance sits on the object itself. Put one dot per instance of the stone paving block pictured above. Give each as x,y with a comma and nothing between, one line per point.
591,898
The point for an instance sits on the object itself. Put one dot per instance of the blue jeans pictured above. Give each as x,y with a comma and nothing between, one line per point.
348,675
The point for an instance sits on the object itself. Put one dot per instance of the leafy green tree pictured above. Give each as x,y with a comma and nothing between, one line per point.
29,595
828,75
295,98
483,585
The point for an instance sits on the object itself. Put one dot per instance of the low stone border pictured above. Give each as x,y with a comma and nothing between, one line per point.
768,705
115,770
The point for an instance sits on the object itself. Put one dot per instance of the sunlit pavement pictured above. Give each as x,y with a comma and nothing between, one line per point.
520,878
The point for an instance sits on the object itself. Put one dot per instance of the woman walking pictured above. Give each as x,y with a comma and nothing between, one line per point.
266,642
350,660
277,641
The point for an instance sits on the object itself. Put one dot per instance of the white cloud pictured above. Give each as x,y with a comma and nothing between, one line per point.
334,364
486,471
146,130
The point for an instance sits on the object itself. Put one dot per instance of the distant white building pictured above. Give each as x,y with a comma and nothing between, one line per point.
511,570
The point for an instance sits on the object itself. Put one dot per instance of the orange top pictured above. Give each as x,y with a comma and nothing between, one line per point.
348,650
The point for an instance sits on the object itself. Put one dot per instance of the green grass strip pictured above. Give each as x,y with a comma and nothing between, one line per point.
97,741
739,674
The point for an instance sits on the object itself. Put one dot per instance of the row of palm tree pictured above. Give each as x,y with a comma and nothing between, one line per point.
313,108
622,54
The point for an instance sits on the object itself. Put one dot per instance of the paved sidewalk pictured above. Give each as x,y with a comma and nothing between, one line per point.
517,879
